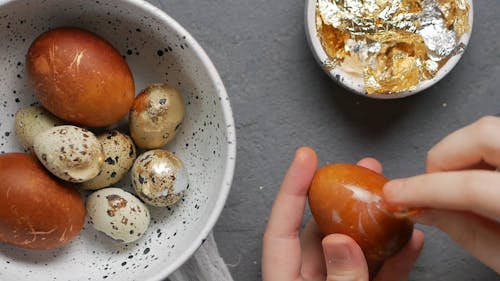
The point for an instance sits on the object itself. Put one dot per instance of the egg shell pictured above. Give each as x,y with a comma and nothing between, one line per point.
118,214
348,199
159,178
156,115
119,155
80,77
37,211
31,121
71,153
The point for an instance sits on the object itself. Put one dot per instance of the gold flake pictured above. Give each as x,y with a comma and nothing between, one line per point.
393,44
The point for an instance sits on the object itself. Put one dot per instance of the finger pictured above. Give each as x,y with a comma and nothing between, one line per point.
281,246
372,164
313,264
288,209
475,191
480,166
468,146
399,266
478,235
344,259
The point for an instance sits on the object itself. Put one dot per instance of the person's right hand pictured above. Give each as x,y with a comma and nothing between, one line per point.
460,193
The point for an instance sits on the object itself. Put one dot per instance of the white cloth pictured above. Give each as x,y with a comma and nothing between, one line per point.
205,265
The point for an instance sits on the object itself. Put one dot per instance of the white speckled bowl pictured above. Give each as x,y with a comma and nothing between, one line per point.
356,84
157,49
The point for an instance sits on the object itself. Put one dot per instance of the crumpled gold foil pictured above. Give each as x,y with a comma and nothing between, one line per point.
393,44
456,15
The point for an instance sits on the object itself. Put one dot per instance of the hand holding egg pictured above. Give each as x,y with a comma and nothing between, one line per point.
286,256
347,199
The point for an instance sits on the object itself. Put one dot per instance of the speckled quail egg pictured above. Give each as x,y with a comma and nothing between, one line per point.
31,121
119,155
118,214
71,153
156,116
159,178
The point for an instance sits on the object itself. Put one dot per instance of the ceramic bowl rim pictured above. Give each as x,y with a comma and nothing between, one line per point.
230,160
321,56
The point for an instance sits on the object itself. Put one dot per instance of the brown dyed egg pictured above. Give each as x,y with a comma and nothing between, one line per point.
80,77
347,199
37,211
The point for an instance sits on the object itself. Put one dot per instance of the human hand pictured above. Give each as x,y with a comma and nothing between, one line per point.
461,191
311,256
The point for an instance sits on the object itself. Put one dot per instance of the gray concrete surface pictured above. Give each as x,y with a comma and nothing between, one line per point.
282,100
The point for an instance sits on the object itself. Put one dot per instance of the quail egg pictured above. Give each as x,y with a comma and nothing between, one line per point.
118,214
159,178
71,153
32,120
156,116
119,155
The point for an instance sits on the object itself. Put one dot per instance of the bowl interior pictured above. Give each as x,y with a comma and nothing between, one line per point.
157,50
356,84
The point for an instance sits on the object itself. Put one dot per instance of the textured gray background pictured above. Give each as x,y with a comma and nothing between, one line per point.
282,100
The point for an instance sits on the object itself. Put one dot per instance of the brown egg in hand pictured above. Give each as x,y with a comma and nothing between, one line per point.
37,211
80,78
348,199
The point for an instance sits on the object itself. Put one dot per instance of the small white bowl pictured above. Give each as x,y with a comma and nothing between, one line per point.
356,84
157,49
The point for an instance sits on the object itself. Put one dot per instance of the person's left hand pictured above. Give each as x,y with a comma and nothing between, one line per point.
312,257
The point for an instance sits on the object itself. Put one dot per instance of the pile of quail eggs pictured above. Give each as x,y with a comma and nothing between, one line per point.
98,162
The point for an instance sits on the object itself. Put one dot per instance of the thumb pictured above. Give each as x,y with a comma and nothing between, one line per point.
344,259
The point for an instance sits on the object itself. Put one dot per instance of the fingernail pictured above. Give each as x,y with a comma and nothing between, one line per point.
340,254
299,153
392,189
